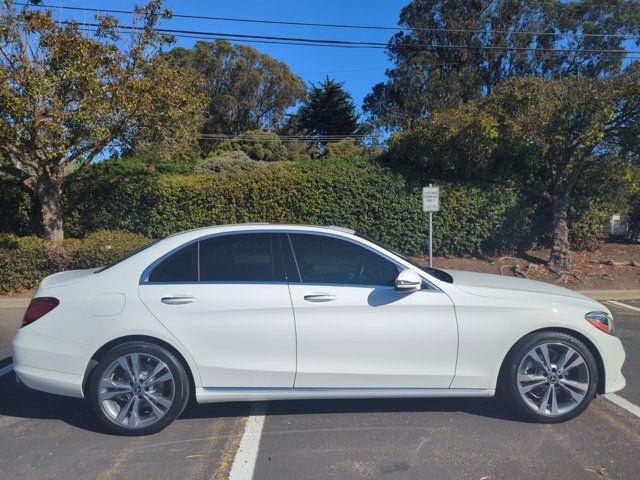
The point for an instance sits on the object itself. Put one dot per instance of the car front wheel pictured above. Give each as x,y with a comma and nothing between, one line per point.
138,388
549,377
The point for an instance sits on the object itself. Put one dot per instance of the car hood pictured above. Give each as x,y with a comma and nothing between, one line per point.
489,285
66,278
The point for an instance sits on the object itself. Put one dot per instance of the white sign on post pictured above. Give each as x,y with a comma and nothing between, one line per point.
430,203
430,199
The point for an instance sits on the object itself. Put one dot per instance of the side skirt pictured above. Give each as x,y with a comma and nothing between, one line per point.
240,394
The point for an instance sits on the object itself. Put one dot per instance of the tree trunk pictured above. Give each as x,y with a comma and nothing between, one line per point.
48,191
560,258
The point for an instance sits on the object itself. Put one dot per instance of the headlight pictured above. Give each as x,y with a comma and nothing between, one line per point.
601,320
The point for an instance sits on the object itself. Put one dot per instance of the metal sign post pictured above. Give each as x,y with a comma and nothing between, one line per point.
430,203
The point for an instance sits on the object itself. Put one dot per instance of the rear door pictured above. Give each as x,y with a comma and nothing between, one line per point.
225,298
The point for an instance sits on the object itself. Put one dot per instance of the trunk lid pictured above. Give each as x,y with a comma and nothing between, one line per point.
68,277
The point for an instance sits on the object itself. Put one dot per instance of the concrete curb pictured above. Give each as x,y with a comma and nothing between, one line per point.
14,302
611,294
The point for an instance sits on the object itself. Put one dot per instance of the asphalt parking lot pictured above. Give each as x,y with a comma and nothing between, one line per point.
49,437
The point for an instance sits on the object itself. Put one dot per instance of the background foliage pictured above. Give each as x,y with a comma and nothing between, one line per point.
25,261
366,195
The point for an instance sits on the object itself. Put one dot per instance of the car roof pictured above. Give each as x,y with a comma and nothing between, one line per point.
266,226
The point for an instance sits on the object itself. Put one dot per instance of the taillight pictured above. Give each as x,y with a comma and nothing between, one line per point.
37,308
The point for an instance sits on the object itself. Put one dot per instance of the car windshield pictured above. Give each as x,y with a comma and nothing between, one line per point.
128,255
434,272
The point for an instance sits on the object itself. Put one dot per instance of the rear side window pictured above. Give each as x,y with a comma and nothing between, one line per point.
241,258
181,266
323,259
227,258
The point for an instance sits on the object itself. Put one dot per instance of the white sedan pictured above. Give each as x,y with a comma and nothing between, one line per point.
265,312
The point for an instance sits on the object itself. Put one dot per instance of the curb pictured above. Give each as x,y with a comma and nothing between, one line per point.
611,294
14,302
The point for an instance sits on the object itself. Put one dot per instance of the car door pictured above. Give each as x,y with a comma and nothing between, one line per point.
225,298
354,330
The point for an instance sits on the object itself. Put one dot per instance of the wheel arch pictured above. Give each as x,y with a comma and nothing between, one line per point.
95,358
583,338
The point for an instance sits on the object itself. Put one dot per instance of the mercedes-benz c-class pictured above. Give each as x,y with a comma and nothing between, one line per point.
265,311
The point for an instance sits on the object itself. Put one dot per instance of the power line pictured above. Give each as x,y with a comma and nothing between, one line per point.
364,44
351,26
433,65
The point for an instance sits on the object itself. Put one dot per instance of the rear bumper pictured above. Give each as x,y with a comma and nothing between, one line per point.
49,364
50,381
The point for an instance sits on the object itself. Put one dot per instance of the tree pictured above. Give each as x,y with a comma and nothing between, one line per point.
548,136
485,48
246,89
327,110
66,98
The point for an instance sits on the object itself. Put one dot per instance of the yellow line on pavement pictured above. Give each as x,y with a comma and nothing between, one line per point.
605,414
121,458
584,461
204,455
233,442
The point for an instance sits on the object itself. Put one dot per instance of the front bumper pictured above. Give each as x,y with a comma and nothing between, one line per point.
613,356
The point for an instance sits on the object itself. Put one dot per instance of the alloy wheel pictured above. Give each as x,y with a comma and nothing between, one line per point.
136,390
553,379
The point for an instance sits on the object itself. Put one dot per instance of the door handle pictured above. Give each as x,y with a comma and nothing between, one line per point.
320,297
177,300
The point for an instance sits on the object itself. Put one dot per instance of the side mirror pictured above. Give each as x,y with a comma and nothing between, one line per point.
408,281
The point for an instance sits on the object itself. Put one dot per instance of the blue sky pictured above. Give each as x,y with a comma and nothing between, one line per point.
359,69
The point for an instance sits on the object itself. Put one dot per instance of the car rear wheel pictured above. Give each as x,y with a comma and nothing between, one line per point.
138,388
549,377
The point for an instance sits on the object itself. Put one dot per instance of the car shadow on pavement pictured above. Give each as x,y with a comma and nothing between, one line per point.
16,400
485,407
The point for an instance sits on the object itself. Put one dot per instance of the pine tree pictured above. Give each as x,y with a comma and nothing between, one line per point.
327,110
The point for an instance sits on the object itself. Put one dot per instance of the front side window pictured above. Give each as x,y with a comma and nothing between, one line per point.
323,259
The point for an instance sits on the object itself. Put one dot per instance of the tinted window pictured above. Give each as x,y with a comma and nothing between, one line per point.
181,266
241,258
330,260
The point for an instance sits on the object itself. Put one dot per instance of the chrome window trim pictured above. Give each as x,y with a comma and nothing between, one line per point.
144,278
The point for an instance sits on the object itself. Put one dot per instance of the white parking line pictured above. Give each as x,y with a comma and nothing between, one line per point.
6,369
624,305
244,462
622,403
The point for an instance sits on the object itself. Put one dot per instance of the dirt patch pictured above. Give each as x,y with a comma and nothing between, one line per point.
588,275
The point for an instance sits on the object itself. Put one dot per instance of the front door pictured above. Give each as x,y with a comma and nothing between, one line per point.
225,298
355,330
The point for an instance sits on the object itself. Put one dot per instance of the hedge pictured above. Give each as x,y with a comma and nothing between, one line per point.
475,219
363,195
25,261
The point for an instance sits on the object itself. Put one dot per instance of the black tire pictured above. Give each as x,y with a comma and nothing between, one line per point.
181,389
508,388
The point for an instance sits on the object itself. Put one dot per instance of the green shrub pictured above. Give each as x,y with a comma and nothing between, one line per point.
345,149
25,261
475,219
234,161
19,210
359,194
258,145
101,248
